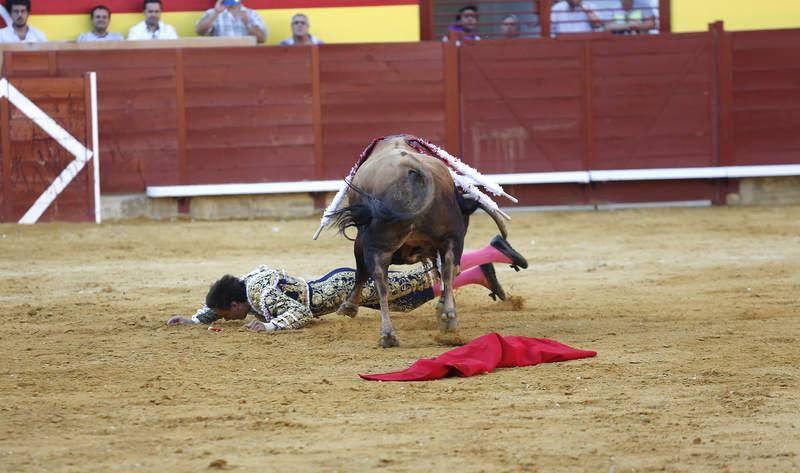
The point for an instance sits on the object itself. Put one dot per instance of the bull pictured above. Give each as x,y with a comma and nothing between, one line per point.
407,209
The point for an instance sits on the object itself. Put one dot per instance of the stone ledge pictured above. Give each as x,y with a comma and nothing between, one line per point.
131,206
767,191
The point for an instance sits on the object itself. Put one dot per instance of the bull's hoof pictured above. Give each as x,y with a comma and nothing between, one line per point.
448,322
389,340
347,308
440,308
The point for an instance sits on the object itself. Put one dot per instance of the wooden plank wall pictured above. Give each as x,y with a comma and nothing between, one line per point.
523,105
33,159
651,102
766,97
136,106
369,91
248,115
213,115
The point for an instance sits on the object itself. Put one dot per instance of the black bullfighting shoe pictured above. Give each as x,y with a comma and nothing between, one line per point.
494,284
503,246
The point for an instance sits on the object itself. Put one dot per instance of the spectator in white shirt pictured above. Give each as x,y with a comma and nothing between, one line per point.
19,31
152,27
573,16
101,18
231,18
300,34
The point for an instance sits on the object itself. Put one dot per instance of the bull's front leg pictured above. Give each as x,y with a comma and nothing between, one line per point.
350,306
380,269
448,321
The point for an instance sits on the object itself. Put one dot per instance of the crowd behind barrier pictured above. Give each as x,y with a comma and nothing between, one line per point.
489,19
499,19
227,18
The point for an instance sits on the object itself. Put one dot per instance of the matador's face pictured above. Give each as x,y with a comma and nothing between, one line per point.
237,311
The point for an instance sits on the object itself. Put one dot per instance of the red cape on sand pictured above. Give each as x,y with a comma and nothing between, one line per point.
483,355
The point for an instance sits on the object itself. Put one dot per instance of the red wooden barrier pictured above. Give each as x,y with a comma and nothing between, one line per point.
374,90
31,159
766,97
248,115
210,115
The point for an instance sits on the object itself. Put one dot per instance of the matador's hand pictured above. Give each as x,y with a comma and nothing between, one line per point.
177,320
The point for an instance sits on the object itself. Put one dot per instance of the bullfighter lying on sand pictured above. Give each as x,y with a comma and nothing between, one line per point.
280,301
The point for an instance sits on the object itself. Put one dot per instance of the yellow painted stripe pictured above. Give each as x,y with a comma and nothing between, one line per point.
694,15
333,25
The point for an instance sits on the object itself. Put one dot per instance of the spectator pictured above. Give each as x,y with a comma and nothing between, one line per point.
510,27
231,18
101,18
152,27
466,24
632,18
573,16
19,31
300,34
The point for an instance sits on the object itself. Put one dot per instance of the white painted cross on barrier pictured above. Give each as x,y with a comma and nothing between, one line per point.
66,140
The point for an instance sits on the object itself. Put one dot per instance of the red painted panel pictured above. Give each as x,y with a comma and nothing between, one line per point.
249,117
37,159
369,91
652,191
251,164
652,102
522,106
766,97
548,194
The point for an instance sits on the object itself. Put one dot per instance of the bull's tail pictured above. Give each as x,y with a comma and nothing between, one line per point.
362,214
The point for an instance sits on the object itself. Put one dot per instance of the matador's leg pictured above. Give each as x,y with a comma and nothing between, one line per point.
498,251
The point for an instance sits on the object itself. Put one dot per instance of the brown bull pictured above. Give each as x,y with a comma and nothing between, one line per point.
407,210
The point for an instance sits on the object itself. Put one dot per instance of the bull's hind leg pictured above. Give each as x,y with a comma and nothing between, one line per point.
380,269
350,306
448,320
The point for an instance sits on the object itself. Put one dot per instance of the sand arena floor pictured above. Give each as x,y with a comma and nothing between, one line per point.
695,314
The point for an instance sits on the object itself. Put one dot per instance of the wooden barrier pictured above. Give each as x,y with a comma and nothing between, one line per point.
31,159
765,97
278,114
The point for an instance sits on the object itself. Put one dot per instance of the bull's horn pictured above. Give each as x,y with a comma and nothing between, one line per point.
498,219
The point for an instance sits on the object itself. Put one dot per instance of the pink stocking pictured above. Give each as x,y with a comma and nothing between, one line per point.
488,254
470,276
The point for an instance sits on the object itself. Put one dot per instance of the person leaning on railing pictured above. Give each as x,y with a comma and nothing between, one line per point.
231,18
19,31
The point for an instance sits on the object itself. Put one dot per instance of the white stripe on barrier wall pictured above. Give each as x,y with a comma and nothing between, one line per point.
82,155
98,217
46,123
574,177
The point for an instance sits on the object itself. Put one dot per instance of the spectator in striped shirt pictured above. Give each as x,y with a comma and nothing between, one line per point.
231,18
